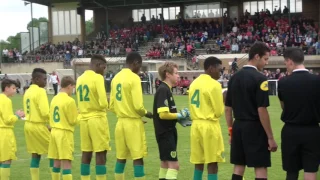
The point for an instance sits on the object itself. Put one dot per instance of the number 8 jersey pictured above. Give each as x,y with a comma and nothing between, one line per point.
91,95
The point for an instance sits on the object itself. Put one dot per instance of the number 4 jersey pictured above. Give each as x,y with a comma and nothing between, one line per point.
91,95
205,99
63,112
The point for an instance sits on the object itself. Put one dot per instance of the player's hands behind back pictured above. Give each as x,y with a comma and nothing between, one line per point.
149,115
272,145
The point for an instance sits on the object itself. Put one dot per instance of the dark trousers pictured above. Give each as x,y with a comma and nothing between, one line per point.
55,88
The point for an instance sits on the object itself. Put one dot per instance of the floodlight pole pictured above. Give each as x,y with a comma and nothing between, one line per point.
289,13
32,35
107,15
162,19
1,57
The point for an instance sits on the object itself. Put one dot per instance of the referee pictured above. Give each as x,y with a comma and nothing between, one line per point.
251,134
300,100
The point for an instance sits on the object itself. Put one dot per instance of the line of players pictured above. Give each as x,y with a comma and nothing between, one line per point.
206,107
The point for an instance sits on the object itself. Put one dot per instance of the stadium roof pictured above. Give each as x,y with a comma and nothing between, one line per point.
92,4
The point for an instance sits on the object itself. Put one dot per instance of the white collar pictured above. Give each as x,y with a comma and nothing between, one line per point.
250,66
296,70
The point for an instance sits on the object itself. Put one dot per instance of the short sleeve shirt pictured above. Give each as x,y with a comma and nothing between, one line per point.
247,91
163,102
300,94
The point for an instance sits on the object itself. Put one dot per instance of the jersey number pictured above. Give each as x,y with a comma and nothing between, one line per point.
83,90
118,94
195,98
56,115
28,106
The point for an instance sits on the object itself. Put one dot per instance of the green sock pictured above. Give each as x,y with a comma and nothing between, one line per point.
197,174
119,169
212,177
56,170
66,171
85,169
35,162
138,171
51,162
101,170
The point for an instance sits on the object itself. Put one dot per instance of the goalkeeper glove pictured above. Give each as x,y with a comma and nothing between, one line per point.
185,112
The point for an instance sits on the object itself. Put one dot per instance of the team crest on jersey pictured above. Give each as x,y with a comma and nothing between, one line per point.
264,86
166,102
173,154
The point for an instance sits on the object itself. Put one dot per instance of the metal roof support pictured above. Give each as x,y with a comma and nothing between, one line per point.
107,16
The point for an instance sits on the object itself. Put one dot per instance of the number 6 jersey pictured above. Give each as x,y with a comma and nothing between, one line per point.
63,112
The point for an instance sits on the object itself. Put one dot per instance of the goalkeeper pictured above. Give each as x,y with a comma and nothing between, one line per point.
206,107
165,119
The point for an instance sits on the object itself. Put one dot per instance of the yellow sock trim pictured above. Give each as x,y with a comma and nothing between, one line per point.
119,176
140,178
55,176
5,173
67,177
101,177
162,173
86,177
172,174
34,173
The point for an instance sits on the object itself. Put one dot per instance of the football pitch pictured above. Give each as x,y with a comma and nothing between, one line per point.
20,168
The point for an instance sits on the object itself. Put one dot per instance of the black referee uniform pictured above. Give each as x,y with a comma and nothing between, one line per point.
247,91
165,130
300,136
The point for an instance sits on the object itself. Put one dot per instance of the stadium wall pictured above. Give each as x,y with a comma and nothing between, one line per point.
11,68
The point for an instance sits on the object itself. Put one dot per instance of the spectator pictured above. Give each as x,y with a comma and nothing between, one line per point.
54,79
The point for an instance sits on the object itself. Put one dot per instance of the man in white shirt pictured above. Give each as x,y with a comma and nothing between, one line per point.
54,79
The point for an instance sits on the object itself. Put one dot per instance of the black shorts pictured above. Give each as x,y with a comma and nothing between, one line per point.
167,144
300,148
249,144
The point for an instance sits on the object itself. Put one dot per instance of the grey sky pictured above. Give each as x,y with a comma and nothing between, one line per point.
14,16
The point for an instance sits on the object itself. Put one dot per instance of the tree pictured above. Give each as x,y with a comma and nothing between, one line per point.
36,22
12,42
89,26
15,41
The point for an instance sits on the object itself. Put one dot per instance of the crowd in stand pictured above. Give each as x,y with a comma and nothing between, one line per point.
184,38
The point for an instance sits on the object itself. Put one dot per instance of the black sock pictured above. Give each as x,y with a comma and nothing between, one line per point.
292,175
261,178
236,177
162,179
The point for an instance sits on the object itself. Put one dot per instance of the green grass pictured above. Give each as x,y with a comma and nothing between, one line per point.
20,168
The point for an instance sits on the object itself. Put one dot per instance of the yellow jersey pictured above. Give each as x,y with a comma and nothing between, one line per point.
126,98
91,95
63,112
205,99
7,117
36,105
